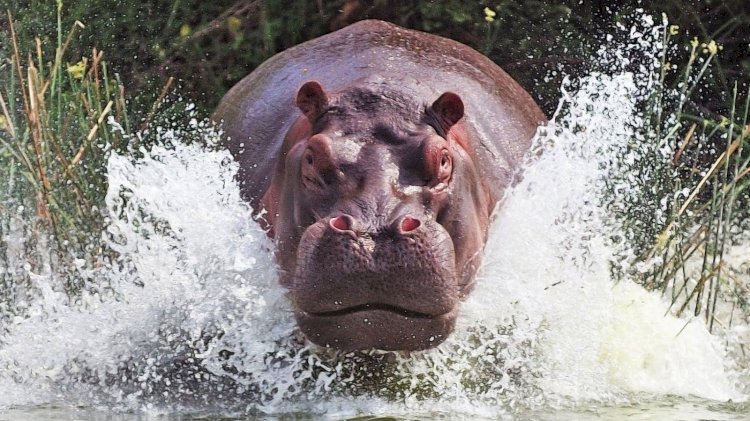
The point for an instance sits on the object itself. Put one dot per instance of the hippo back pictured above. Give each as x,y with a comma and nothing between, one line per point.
258,112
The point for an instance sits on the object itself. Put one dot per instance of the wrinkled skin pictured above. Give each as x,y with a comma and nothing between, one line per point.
377,155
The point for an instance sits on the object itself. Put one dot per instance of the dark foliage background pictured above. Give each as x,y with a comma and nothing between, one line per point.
209,46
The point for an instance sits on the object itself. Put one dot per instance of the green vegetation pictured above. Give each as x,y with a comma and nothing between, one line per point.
209,46
66,67
55,142
690,199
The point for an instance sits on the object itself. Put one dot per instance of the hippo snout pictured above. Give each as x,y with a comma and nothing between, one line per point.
345,223
389,287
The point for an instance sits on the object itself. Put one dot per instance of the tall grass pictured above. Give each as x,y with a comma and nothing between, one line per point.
54,143
692,179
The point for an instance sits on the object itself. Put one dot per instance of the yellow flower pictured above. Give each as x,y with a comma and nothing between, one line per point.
78,70
3,123
662,239
694,42
185,30
713,47
489,14
674,29
234,24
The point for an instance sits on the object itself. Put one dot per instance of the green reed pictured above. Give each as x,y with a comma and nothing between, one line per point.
700,185
54,142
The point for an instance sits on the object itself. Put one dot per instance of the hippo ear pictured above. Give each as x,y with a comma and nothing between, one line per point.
312,100
447,110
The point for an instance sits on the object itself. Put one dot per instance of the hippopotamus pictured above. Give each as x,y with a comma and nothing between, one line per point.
374,156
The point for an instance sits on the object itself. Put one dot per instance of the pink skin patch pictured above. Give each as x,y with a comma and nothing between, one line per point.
409,224
341,223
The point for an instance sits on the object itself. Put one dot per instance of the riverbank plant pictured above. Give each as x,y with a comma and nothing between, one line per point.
687,216
63,112
54,143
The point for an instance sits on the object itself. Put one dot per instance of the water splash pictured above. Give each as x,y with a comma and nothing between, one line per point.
552,251
189,316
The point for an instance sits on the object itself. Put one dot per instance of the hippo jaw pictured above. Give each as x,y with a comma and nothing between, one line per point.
376,326
388,290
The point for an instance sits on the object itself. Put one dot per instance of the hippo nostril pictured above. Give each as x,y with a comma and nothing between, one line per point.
409,224
341,223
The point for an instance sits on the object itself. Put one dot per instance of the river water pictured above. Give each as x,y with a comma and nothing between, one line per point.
189,322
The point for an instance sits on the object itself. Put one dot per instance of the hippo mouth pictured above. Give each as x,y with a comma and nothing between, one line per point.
363,308
379,326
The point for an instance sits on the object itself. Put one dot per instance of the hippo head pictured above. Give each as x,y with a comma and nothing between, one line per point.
382,218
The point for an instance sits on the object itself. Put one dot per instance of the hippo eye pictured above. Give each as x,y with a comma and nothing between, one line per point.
438,163
445,161
443,173
317,169
311,171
